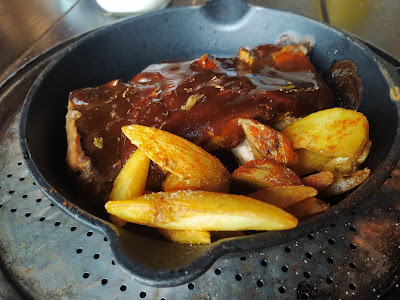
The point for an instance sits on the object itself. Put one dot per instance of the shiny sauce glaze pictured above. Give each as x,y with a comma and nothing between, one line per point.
200,100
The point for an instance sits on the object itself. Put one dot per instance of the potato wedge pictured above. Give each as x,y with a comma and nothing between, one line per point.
131,180
201,211
268,142
264,173
174,183
334,132
319,181
365,153
307,208
309,162
284,196
341,165
186,236
180,157
343,184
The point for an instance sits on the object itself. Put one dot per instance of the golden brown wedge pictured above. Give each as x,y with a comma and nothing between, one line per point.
131,181
186,236
309,162
334,132
175,183
307,208
284,196
264,173
268,142
365,152
341,165
343,184
180,157
319,181
201,211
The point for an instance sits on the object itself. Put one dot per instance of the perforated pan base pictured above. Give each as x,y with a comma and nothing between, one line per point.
50,255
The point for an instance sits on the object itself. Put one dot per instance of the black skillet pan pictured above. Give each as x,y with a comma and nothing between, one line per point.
219,28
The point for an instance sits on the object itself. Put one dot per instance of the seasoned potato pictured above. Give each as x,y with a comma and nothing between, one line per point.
180,157
334,132
264,173
307,208
319,181
284,196
267,142
343,184
309,161
365,153
186,236
201,211
131,181
341,165
174,183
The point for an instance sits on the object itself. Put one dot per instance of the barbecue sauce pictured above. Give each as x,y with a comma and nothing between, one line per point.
200,100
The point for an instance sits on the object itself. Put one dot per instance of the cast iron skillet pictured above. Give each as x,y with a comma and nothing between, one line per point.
219,28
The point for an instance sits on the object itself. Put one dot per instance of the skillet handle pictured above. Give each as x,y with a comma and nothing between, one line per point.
226,11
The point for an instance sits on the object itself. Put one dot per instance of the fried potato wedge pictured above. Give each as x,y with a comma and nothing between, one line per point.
307,208
186,236
309,162
334,132
268,142
319,181
264,173
365,153
180,157
343,184
201,211
341,165
131,181
347,165
174,183
284,196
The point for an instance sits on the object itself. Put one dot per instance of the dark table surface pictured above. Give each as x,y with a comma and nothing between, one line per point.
30,28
